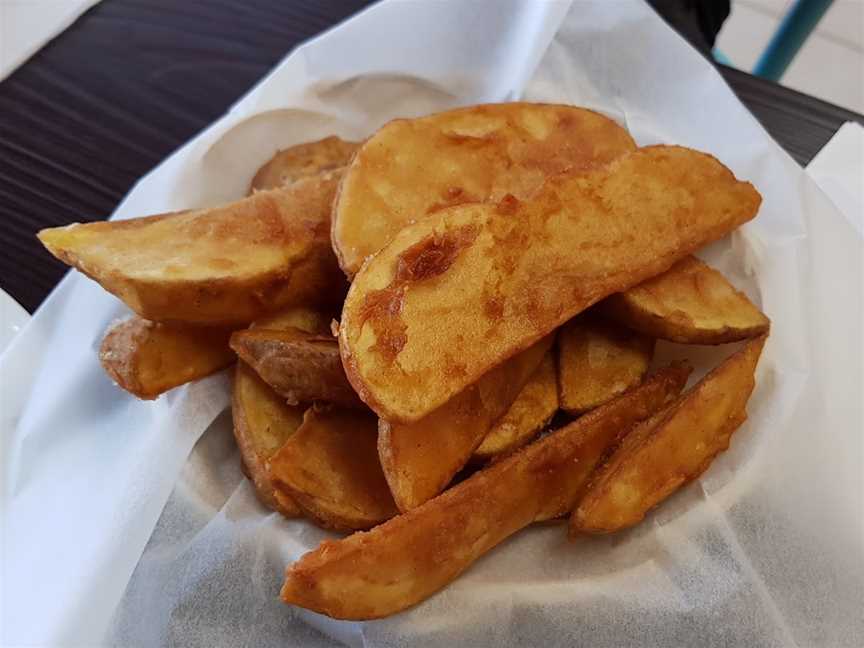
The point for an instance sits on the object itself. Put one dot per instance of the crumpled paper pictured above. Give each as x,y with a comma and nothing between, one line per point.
764,550
838,169
26,26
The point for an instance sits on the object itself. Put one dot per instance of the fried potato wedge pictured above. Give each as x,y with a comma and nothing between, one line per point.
459,292
420,459
670,449
330,467
407,559
597,360
219,266
303,161
690,303
530,412
147,358
302,367
414,167
263,422
296,317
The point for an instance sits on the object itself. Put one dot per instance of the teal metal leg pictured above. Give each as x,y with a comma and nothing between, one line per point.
789,37
720,57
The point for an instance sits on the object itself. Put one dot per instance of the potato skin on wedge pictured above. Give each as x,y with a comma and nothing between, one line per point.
407,559
421,458
330,468
303,161
262,424
691,303
671,449
411,168
597,360
296,317
508,274
302,367
530,412
148,358
224,265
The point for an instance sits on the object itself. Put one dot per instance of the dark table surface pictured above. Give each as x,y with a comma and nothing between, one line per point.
132,80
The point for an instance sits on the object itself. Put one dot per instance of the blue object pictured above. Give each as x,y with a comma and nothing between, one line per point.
789,37
720,57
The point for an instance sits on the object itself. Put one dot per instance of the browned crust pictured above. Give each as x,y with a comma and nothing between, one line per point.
300,366
584,384
636,440
405,560
618,308
691,239
124,343
252,459
322,506
314,278
509,106
302,161
677,325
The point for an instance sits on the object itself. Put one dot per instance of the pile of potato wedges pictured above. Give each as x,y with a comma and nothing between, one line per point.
444,334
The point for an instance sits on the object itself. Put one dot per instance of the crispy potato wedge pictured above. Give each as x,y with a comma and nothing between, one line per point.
147,358
414,167
407,559
219,266
597,360
262,424
330,467
420,459
530,412
302,367
303,161
457,293
690,303
296,317
670,449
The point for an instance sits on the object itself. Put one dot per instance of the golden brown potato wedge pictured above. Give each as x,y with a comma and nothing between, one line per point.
420,459
414,167
330,467
303,161
219,266
597,360
457,293
147,358
262,424
296,317
530,412
670,449
407,559
302,367
690,303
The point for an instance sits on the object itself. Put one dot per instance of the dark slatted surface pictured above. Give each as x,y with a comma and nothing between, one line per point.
801,124
134,79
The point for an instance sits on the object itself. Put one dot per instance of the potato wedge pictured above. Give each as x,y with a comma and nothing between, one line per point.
262,424
670,449
220,266
420,459
407,559
530,412
457,293
414,167
296,317
330,467
301,367
303,161
147,358
690,303
597,360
